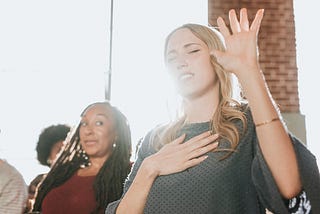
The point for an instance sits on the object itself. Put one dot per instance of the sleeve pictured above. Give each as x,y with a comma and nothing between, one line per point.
144,151
13,196
267,189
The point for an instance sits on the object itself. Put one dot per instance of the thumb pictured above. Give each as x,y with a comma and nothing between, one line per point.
224,60
219,56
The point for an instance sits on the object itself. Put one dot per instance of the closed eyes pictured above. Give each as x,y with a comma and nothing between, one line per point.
194,51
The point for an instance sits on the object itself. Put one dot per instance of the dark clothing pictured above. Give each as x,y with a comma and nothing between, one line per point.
241,183
76,195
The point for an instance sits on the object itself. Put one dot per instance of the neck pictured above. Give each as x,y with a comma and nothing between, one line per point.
201,109
94,167
97,162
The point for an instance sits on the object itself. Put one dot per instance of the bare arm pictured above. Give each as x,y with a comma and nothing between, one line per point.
241,58
173,157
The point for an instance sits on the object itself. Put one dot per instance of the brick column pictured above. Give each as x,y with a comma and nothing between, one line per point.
277,48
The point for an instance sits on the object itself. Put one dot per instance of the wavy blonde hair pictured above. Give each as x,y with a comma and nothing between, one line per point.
229,110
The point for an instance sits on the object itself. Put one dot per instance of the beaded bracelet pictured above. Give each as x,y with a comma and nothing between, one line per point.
267,122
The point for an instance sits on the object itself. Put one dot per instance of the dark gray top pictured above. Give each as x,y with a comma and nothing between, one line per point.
241,183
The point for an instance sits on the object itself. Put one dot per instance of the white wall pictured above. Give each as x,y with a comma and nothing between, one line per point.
308,46
54,57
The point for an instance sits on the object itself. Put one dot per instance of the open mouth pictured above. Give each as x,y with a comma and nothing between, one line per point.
186,76
90,142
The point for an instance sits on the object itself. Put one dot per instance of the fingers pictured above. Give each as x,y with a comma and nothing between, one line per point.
195,161
201,143
180,139
198,155
203,135
222,27
234,23
207,140
200,137
197,146
242,25
255,26
200,140
203,150
196,142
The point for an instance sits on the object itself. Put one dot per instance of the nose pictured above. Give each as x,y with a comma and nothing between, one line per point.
87,130
181,66
181,63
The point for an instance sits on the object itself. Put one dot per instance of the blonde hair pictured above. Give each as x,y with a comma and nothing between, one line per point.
229,110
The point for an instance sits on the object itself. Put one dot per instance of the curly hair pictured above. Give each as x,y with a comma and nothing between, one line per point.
108,187
48,138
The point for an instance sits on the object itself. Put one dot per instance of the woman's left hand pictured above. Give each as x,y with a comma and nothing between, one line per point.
241,52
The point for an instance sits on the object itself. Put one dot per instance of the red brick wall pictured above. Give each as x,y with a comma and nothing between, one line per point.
277,45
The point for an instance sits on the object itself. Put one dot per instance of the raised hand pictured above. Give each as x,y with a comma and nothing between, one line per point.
241,43
177,156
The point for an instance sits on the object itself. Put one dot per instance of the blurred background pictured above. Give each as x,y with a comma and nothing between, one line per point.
54,61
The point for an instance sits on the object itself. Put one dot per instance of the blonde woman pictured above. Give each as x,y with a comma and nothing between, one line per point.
222,156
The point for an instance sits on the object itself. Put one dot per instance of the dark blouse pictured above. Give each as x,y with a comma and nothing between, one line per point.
241,183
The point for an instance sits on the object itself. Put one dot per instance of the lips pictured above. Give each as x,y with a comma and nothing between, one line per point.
90,142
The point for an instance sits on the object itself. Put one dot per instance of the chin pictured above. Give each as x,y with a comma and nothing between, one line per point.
187,93
90,152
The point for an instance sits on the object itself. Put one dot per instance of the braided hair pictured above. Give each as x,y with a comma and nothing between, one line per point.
108,184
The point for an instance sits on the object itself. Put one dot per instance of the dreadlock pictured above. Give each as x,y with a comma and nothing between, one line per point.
108,184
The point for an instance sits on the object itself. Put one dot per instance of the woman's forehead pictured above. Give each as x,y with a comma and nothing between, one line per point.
97,109
181,38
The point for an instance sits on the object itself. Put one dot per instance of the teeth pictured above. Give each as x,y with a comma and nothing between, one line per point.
186,76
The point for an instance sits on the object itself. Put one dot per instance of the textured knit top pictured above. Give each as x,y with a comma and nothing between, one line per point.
241,183
76,195
13,190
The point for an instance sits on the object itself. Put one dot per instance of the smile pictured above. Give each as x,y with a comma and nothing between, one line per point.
90,142
186,76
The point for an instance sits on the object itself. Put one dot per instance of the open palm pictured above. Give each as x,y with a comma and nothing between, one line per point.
241,44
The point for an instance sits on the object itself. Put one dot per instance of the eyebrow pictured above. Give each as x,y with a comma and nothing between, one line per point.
185,46
100,114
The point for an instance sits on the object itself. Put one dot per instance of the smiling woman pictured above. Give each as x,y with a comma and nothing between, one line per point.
92,166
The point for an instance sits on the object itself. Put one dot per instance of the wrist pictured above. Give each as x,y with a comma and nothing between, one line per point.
251,76
248,70
149,168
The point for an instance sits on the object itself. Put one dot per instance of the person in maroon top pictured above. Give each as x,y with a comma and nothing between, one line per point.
92,167
49,144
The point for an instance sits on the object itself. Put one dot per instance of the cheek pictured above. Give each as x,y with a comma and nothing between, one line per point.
107,133
206,66
173,74
81,133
